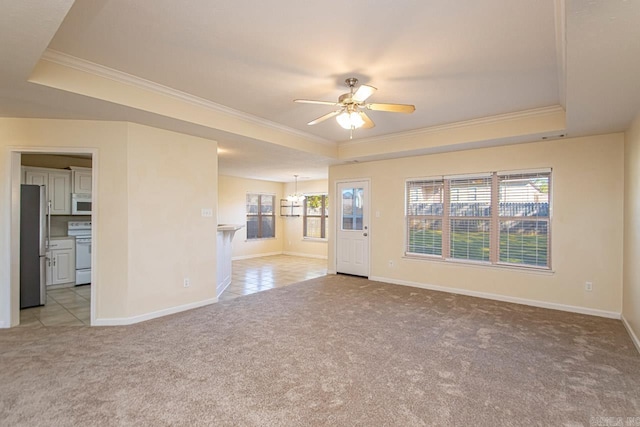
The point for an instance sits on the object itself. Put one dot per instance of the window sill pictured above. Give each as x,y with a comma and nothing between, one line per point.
314,239
482,265
260,239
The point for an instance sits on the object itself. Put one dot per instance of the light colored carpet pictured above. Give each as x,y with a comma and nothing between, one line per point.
334,350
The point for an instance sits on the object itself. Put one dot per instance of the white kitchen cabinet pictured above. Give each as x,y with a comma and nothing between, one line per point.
59,190
61,265
58,184
36,177
81,179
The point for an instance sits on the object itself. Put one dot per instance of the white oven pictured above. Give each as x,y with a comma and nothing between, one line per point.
80,204
83,260
81,230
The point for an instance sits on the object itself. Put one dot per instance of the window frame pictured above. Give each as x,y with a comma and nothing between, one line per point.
495,220
260,215
323,218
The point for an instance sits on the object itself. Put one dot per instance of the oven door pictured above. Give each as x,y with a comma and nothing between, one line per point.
83,253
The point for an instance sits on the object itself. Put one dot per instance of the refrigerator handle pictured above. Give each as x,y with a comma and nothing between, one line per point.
49,223
43,232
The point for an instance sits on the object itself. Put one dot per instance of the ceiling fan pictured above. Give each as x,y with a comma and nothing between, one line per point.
349,115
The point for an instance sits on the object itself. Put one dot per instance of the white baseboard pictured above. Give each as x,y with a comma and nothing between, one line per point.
122,321
4,325
498,297
632,334
237,258
223,287
334,272
303,255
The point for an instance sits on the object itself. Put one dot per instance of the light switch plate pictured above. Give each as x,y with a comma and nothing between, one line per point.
207,212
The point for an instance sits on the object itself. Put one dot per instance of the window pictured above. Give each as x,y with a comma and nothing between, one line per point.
494,218
470,218
524,218
316,211
261,221
352,209
424,215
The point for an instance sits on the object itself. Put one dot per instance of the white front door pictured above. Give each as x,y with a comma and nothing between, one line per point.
353,228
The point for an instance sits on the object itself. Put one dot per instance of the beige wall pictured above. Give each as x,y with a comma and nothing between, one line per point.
232,209
171,177
294,243
232,193
587,223
110,139
631,288
125,251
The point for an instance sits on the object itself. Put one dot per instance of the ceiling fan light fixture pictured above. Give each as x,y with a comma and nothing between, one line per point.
350,120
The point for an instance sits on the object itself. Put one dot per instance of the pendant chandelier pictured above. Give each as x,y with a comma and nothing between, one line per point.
296,197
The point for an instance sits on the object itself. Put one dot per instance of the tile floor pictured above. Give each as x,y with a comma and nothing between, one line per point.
64,307
71,306
258,274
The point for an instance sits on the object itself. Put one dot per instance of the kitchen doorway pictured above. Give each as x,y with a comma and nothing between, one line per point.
55,169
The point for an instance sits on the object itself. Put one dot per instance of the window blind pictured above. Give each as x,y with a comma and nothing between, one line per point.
470,218
260,216
495,218
425,210
524,218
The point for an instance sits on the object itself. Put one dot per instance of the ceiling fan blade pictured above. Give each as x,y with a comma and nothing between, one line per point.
363,92
325,117
368,123
310,101
394,108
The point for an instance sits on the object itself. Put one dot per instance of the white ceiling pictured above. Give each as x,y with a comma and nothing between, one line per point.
455,61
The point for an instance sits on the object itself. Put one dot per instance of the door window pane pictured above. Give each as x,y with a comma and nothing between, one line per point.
352,208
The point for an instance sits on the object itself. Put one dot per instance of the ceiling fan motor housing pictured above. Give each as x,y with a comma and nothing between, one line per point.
345,98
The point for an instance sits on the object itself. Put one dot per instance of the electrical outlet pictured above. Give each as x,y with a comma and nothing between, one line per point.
588,286
186,282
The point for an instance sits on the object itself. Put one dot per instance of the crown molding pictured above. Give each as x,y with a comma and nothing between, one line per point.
561,48
535,112
83,65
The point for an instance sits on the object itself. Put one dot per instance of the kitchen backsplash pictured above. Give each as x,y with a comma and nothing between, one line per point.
59,223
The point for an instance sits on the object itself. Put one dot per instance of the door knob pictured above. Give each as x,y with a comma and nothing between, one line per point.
365,234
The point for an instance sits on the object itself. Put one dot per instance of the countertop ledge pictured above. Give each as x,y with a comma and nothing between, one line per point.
229,227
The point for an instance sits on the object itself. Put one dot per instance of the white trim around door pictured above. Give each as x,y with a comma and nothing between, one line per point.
353,227
10,247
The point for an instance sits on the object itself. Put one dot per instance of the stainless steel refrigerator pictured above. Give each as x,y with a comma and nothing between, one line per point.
33,232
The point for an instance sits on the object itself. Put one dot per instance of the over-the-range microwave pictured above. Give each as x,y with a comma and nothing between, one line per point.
80,204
